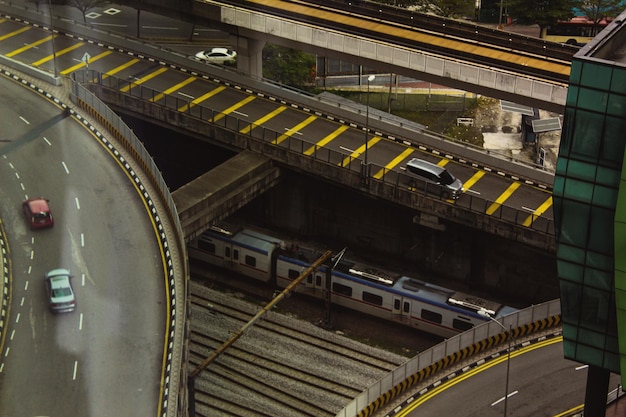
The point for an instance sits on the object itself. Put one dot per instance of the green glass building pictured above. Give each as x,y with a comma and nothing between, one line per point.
590,213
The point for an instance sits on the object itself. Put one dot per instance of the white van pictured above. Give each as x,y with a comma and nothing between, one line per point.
437,175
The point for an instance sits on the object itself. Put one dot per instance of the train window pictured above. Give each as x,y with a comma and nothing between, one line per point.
309,279
431,316
318,280
407,307
235,254
292,274
396,304
461,325
250,260
227,252
368,297
207,246
342,289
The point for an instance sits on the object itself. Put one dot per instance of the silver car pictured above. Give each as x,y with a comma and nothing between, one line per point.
59,290
436,174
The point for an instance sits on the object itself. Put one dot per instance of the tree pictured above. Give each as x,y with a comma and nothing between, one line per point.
446,8
598,10
541,12
85,5
288,66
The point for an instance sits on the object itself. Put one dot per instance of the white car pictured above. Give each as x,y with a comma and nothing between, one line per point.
59,290
218,56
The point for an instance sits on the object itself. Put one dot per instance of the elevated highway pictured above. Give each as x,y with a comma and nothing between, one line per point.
322,163
457,54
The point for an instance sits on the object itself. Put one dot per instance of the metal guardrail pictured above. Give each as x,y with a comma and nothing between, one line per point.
521,322
174,383
396,186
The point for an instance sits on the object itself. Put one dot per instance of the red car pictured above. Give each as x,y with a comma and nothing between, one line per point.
38,213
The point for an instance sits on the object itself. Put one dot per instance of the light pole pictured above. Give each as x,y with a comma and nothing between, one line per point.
367,116
509,336
54,52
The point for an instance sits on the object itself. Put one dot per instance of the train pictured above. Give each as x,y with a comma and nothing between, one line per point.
354,285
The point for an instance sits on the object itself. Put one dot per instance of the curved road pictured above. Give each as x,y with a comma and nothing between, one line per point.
540,383
106,358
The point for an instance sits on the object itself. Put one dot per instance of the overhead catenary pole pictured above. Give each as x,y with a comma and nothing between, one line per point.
236,335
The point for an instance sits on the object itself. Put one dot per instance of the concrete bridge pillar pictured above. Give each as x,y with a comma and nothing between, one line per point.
249,55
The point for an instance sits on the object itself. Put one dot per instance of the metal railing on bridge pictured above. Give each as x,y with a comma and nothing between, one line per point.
233,131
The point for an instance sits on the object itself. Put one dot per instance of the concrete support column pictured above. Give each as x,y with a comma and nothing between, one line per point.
249,55
596,392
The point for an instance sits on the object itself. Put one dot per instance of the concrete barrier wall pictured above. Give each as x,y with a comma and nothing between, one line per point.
444,356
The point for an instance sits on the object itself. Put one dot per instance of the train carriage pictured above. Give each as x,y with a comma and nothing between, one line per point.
386,295
243,251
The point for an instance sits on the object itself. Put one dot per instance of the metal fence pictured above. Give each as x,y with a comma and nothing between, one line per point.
398,186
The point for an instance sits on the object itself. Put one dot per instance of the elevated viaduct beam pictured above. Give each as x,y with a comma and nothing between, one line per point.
325,165
249,28
223,190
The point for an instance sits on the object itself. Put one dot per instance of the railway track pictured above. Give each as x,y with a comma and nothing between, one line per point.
281,367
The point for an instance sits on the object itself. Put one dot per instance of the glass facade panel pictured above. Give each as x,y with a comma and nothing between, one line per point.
614,140
570,253
600,261
578,190
600,279
581,170
597,76
571,295
575,72
607,176
570,271
590,99
618,80
592,339
589,355
588,130
616,105
601,233
574,223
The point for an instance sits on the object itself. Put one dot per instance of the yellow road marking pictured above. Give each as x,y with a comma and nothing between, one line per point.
452,382
15,32
572,411
503,197
473,180
542,208
30,46
172,89
294,129
143,79
443,162
203,97
261,120
58,53
120,68
395,161
359,151
84,64
233,108
329,138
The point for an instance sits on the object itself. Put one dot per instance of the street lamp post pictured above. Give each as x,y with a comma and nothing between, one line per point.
367,116
509,336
